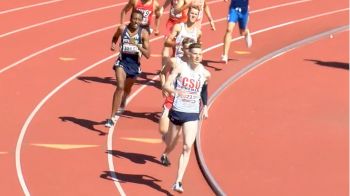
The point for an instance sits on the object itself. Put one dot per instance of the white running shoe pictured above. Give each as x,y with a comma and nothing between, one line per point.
109,123
178,187
248,40
224,58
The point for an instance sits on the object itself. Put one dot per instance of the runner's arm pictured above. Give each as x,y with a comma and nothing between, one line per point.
126,8
116,36
144,48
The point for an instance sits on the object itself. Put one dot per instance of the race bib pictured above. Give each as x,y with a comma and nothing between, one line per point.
130,48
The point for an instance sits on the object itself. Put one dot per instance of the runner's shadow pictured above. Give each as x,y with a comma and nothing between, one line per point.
89,124
206,64
145,78
153,116
135,178
334,64
134,157
89,79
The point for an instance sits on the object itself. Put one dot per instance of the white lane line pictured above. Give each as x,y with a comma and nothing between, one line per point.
60,18
28,6
54,46
73,15
132,96
110,158
231,80
106,28
285,24
38,107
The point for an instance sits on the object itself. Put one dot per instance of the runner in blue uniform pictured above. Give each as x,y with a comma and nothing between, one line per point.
134,43
238,13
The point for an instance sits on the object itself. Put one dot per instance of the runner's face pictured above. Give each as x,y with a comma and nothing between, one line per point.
196,55
135,21
193,15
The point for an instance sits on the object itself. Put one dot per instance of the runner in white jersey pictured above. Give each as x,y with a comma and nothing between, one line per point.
169,99
184,32
189,25
186,82
203,7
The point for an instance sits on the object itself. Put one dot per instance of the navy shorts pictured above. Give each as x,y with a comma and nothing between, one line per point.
239,15
179,118
131,69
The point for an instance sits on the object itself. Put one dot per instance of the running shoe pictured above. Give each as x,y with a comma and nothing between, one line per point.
224,58
109,123
178,187
248,40
164,160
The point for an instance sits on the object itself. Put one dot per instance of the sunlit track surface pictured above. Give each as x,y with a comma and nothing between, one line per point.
285,120
88,114
218,187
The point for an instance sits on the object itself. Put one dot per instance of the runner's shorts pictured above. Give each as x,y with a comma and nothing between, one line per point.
179,118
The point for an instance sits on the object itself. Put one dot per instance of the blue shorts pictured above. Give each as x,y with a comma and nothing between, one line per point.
131,69
179,118
240,15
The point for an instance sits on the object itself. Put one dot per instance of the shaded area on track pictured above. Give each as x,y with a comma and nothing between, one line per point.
330,63
137,179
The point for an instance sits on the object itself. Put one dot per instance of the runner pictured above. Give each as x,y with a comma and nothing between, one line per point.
238,13
180,57
134,43
190,80
147,7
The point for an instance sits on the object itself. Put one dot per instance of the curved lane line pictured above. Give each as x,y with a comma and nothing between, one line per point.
106,28
28,6
54,46
73,15
60,18
210,178
43,101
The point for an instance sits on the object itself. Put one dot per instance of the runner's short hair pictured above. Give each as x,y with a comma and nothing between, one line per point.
134,11
194,7
188,40
195,45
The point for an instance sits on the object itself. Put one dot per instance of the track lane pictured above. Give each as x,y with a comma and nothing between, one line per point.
28,6
267,131
126,185
18,53
16,20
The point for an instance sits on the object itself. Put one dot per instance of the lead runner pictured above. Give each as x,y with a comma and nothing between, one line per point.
187,82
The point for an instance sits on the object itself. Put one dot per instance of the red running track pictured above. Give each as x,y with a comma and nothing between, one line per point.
75,114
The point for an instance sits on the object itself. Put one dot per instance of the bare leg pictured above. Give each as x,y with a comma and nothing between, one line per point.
228,37
129,82
190,130
171,137
164,122
247,36
119,91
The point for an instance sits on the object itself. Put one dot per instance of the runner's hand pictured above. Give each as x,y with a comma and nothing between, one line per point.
113,46
212,24
204,113
165,93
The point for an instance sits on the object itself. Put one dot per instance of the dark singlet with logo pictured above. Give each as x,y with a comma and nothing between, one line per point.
129,57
